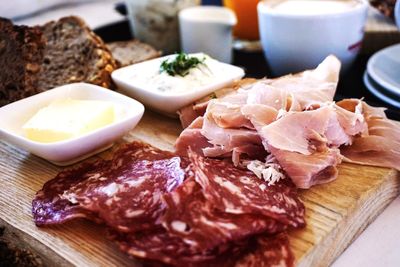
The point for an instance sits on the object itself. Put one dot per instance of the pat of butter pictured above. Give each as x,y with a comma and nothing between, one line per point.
68,118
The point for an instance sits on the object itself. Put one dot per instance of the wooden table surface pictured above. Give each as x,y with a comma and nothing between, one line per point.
336,213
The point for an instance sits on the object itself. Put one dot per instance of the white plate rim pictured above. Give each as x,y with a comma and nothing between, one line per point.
371,72
377,93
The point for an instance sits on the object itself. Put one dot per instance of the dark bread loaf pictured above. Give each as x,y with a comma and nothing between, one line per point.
74,53
131,52
35,59
21,54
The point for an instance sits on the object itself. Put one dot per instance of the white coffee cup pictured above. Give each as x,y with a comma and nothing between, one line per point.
294,39
207,29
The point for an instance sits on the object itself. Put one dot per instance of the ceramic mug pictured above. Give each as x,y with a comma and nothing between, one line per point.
293,41
207,29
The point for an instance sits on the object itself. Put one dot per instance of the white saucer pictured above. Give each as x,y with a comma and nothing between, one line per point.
384,68
378,92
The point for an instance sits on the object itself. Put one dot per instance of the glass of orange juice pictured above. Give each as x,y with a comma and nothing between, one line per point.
246,13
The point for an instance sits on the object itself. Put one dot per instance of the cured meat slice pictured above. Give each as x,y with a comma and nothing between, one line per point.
163,249
267,251
381,147
237,191
129,198
228,138
227,115
311,87
275,97
259,115
47,206
192,137
190,216
159,245
189,113
308,170
125,191
299,129
350,116
159,208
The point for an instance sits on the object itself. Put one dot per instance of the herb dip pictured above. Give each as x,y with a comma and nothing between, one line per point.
208,72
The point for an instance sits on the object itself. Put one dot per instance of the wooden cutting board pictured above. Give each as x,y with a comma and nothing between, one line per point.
336,213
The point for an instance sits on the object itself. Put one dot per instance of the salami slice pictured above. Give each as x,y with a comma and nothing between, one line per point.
128,198
238,191
190,216
125,191
171,210
49,208
266,251
161,248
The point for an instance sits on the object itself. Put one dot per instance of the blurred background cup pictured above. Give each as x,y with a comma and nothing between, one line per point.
156,22
207,29
299,34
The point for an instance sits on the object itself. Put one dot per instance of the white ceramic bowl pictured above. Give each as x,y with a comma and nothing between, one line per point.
168,102
15,115
293,42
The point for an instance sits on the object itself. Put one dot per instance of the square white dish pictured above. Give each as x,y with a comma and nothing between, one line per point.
15,115
168,102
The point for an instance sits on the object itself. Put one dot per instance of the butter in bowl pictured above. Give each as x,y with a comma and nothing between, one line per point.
69,123
169,83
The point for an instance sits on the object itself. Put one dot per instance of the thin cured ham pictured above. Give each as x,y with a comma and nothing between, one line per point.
380,146
294,119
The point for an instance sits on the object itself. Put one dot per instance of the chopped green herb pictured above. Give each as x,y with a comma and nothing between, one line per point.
181,65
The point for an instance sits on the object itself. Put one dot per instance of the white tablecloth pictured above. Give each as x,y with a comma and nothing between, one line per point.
378,245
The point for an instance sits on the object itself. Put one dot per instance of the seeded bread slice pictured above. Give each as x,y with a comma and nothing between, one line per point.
74,53
21,54
131,52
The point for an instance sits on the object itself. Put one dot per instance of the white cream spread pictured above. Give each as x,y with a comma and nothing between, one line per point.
150,77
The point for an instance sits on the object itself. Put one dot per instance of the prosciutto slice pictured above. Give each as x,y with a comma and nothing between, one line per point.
294,120
381,147
308,170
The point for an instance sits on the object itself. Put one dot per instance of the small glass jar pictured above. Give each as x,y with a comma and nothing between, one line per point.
156,22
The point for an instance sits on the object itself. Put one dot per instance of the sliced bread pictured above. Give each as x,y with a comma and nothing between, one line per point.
131,52
35,59
21,53
74,53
